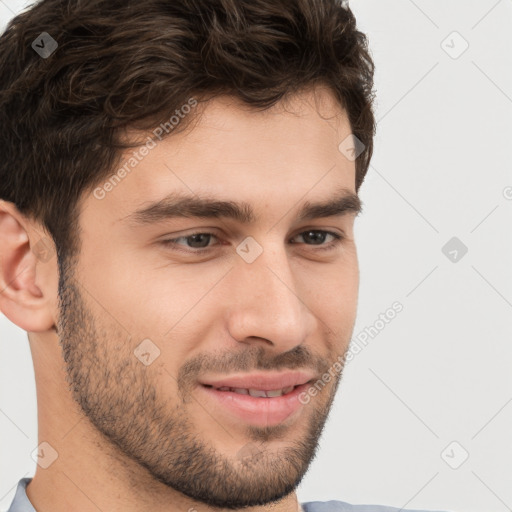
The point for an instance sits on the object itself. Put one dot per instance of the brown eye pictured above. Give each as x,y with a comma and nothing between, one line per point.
318,236
198,241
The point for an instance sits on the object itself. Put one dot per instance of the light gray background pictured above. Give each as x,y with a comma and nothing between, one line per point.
440,371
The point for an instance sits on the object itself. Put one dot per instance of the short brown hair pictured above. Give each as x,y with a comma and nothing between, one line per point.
131,63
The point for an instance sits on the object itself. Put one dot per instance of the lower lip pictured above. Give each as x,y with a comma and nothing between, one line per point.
259,411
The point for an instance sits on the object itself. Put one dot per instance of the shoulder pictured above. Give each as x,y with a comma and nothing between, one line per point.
341,506
21,502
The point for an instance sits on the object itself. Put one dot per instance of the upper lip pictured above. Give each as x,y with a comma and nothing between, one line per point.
264,381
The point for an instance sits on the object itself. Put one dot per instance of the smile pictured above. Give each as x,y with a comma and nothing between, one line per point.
260,393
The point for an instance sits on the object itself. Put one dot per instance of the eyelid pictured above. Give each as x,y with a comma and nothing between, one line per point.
172,242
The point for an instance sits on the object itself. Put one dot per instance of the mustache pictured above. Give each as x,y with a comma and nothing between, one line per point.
247,360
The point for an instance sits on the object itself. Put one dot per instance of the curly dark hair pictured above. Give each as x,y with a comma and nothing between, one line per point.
131,63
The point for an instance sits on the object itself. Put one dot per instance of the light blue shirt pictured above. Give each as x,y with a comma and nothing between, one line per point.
22,504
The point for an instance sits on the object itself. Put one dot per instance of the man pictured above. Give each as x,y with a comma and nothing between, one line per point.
178,194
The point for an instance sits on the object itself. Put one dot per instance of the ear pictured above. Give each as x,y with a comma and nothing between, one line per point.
28,272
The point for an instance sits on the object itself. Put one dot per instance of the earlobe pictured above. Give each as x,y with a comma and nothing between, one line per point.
24,294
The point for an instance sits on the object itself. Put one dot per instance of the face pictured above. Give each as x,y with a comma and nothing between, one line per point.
213,260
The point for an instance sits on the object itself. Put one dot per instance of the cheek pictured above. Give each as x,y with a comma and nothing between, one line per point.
149,298
331,292
338,301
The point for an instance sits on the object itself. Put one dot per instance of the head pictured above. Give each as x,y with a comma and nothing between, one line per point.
178,208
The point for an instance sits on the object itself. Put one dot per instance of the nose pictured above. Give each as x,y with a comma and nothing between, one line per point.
267,303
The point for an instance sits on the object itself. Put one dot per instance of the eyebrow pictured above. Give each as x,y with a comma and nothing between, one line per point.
178,205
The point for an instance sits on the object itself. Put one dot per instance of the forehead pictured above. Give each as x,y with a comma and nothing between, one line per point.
308,115
234,152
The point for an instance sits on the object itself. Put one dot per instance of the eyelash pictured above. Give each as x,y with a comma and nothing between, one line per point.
172,243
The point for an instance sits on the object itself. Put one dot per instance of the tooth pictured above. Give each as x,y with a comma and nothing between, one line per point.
257,392
275,392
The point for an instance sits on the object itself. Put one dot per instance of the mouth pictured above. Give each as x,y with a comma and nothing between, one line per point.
256,383
258,407
257,393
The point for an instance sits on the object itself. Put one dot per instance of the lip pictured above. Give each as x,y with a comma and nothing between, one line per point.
264,380
258,411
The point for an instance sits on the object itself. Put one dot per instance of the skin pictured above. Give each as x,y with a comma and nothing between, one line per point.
132,437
